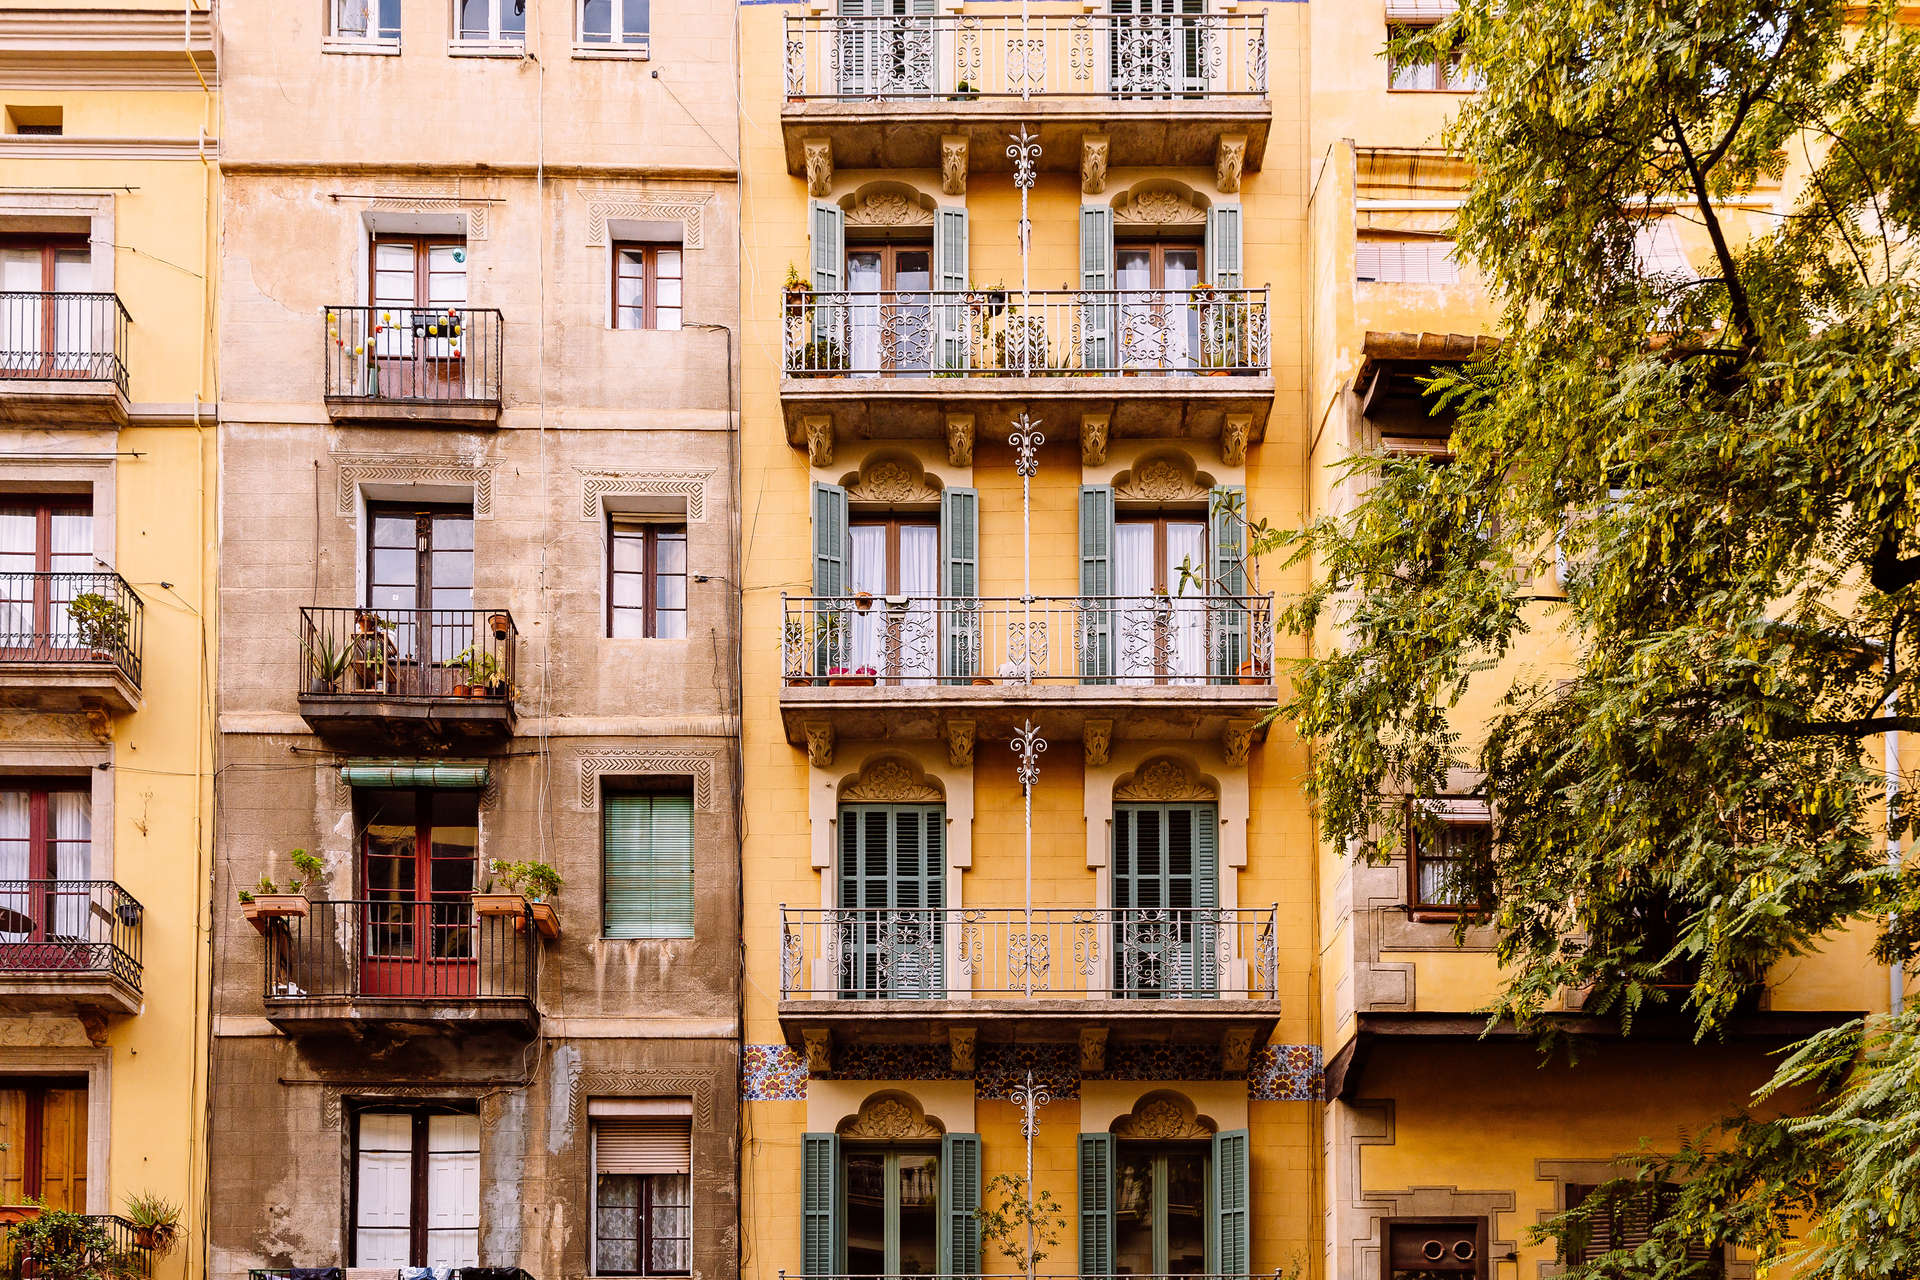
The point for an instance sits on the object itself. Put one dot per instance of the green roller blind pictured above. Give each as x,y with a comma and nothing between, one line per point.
960,1204
1096,1204
1232,1237
821,1228
647,884
412,773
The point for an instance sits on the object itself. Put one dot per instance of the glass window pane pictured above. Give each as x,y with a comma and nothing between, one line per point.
628,624
671,592
629,591
670,554
513,18
670,624
596,20
866,1226
919,1201
394,566
629,550
666,292
666,318
634,19
667,260
475,16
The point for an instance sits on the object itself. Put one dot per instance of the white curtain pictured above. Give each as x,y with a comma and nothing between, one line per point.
70,552
1137,607
20,316
915,632
15,865
70,850
863,313
18,532
671,1230
1187,548
867,574
73,318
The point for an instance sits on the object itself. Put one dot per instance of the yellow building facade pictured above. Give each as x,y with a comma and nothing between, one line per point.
108,236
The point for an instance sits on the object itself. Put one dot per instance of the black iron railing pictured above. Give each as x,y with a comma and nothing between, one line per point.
414,355
70,927
70,617
434,952
123,1252
429,654
77,336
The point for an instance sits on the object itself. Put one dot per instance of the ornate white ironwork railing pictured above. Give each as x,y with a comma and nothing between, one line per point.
963,56
1139,953
1003,333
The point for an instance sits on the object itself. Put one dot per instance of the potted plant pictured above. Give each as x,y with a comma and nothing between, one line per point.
851,677
266,902
822,355
1223,347
25,1211
542,882
499,624
156,1223
58,1244
326,662
502,896
99,623
796,287
520,891
965,92
483,671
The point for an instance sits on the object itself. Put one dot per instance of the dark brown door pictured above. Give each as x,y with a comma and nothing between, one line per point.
42,334
419,295
1159,319
43,1143
418,860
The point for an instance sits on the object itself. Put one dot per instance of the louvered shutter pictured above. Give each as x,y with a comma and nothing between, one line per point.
960,1204
1166,894
1096,1204
643,1144
1096,583
893,891
383,1190
820,1224
647,889
827,227
950,278
1629,1223
1101,320
1232,1235
832,552
453,1191
1226,611
1223,247
1429,261
960,581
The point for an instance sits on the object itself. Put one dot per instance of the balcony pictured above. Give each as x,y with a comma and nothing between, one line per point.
126,1255
408,677
1147,667
346,967
63,360
895,91
424,366
1185,975
69,642
1176,364
69,946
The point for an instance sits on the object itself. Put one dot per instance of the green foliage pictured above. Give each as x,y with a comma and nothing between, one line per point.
536,880
327,656
1005,1215
157,1218
100,623
305,863
70,1246
1677,550
481,666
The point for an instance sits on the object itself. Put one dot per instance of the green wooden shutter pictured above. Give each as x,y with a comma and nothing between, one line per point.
1096,1204
1166,898
647,866
893,887
1226,612
1100,349
1096,583
950,276
1224,269
1232,1234
960,1204
829,540
960,581
821,1226
828,228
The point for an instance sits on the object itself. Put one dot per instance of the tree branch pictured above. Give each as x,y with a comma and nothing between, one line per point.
1887,570
1736,291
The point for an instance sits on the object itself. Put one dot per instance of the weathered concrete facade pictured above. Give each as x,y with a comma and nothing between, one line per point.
520,168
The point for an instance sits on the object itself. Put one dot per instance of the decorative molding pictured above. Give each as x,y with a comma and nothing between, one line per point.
960,738
688,208
1236,1047
1161,479
641,1084
1236,740
444,197
891,782
819,743
1093,438
960,439
356,469
819,153
1164,1116
1163,779
890,1117
67,147
1158,208
598,485
953,164
772,1073
819,1049
888,209
819,429
1286,1073
1093,163
1234,434
1093,1050
1229,159
699,765
892,480
333,1096
960,1046
1098,736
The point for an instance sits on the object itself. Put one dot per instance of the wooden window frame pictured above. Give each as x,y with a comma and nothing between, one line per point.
50,246
889,251
39,791
422,513
1437,912
1160,519
33,1141
1480,1241
649,532
650,277
644,1238
1716,1261
893,522
422,246
420,1115
1160,1151
1159,247
890,1153
1448,74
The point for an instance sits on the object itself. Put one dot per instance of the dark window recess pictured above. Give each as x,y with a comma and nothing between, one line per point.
1627,1222
1435,1248
647,581
1448,863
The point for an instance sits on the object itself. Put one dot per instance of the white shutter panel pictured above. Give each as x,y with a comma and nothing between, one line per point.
453,1191
643,1144
1406,261
1418,11
384,1189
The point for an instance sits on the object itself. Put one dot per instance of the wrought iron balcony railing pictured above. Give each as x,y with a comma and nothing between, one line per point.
407,654
80,337
70,928
124,1253
1042,333
419,952
1142,953
414,355
1139,641
1096,56
70,617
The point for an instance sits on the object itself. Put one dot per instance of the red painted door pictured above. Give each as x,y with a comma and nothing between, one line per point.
418,859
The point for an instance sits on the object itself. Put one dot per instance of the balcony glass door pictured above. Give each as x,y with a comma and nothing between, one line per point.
419,850
1161,611
46,559
893,1212
890,320
46,860
1159,318
896,562
43,1143
1159,48
420,596
1160,1210
891,933
42,333
419,288
886,48
1166,895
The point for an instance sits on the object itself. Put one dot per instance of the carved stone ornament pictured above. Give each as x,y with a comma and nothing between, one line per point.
1229,160
641,1084
1234,433
953,164
819,744
1159,480
1093,438
1163,779
1158,209
888,209
697,765
819,1043
1236,1049
960,736
890,1117
960,1044
688,208
1163,1117
891,782
1093,163
960,439
892,481
356,469
1093,1049
1236,740
1098,736
819,153
597,486
820,441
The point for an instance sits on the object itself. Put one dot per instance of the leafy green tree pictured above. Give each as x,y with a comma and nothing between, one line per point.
1710,487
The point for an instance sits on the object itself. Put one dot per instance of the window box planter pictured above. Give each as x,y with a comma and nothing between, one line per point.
12,1213
1247,675
513,905
857,678
269,907
545,919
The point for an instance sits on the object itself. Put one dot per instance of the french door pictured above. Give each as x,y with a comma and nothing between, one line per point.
887,48
1166,895
419,597
418,859
892,931
1159,579
890,317
416,1189
46,860
1160,48
43,1142
46,559
1160,1211
1159,317
895,558
892,1211
43,332
418,291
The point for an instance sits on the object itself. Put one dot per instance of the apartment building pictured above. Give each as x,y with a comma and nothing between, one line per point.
1030,878
108,266
477,462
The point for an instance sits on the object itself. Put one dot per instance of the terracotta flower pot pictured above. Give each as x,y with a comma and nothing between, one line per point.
512,905
545,919
266,908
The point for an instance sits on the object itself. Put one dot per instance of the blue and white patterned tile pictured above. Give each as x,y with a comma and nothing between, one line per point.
772,1073
1286,1073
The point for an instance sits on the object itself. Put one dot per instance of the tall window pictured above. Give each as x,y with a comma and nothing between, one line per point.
43,1142
416,1188
890,329
894,555
892,1211
646,286
490,21
1157,48
642,1212
647,864
46,856
41,333
1159,323
1160,1209
1436,1248
1159,572
1447,864
1166,891
46,560
366,19
418,290
614,22
647,593
1452,75
420,591
418,855
893,883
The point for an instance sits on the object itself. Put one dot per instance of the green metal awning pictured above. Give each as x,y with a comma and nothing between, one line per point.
450,774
